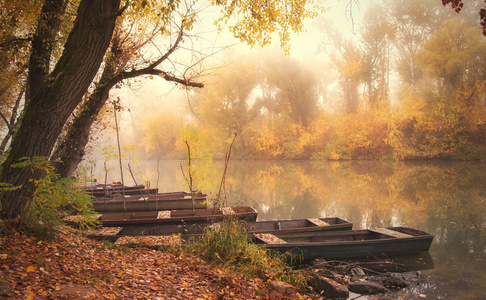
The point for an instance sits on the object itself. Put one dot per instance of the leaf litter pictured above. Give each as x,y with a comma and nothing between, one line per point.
71,266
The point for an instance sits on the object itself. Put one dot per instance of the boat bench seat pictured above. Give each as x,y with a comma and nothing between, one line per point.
390,232
269,238
318,222
163,214
228,211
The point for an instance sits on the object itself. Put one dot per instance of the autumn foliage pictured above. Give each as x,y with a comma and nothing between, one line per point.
434,109
72,267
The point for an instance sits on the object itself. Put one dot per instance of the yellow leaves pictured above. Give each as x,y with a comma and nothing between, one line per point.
350,67
31,269
229,140
363,135
414,105
453,52
256,21
334,156
29,294
268,143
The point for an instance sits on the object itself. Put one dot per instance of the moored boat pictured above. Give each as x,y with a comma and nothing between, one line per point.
179,216
162,201
115,189
345,244
274,227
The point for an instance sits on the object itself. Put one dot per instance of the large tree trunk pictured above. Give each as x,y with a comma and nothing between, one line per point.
71,150
57,97
350,87
42,43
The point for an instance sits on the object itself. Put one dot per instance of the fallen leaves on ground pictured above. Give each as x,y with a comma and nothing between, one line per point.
70,266
150,240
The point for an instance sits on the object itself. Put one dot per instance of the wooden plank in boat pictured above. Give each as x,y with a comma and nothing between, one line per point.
163,214
269,238
318,222
391,232
228,211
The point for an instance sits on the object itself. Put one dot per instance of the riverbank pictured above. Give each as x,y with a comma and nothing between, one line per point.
69,266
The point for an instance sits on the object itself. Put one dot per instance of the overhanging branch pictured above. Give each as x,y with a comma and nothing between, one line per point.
10,42
170,51
151,69
169,77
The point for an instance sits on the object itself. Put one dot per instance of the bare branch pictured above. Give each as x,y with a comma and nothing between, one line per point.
222,186
6,121
8,43
179,80
120,12
349,10
150,69
171,49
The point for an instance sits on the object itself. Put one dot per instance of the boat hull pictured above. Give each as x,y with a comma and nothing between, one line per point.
168,201
178,216
350,244
275,226
127,192
111,190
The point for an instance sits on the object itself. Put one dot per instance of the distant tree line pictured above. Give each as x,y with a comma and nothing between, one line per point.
412,87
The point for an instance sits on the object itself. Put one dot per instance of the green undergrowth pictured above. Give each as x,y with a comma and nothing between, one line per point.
54,199
228,245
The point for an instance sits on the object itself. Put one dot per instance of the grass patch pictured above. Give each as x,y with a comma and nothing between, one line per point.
228,245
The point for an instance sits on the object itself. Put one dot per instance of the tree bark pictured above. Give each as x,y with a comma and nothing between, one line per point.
71,150
57,97
42,43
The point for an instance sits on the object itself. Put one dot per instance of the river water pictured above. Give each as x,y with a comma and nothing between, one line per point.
446,199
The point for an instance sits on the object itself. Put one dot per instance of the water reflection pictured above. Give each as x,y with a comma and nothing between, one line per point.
446,199
400,263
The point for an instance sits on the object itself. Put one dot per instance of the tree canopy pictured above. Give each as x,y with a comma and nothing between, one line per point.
410,85
62,67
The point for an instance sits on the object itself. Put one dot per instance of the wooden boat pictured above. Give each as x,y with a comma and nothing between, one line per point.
345,244
118,192
190,230
162,201
115,189
178,216
274,227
